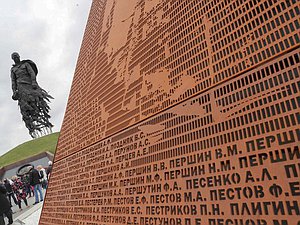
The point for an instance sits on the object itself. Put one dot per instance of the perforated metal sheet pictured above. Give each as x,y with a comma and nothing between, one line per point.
182,112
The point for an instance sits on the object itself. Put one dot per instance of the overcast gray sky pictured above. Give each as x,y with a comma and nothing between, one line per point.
49,32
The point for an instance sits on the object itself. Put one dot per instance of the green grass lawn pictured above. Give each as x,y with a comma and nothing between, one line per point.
30,148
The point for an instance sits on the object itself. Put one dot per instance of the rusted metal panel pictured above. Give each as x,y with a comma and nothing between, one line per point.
182,112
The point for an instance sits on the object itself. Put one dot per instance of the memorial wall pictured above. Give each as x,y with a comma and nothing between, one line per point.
182,112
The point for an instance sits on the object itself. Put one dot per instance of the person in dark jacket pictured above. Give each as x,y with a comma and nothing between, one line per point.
4,206
28,187
10,192
34,178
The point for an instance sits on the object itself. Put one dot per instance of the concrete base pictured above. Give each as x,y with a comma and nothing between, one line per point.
30,217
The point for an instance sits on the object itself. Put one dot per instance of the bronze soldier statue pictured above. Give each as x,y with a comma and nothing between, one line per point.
32,99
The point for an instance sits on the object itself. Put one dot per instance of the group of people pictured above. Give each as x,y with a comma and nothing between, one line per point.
19,189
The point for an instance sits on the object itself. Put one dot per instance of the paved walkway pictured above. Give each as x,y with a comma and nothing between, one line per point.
28,215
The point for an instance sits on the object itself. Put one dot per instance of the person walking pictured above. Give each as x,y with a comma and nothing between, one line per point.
28,187
10,192
34,177
43,175
4,207
20,191
49,169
